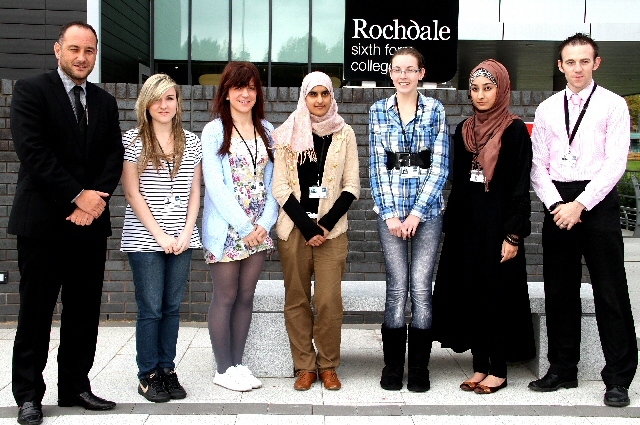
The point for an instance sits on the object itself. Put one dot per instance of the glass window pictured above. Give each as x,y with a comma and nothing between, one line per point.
250,30
210,30
327,31
290,31
171,29
174,69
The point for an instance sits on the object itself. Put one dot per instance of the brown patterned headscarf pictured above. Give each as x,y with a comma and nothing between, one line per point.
482,133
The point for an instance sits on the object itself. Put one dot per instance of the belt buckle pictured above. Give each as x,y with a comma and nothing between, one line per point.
404,159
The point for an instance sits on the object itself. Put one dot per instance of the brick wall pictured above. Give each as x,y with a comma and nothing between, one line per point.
365,261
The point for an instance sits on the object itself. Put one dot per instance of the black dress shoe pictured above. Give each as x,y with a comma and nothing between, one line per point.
616,396
30,413
87,400
553,382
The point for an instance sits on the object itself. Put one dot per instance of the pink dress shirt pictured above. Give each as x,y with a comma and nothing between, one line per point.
601,146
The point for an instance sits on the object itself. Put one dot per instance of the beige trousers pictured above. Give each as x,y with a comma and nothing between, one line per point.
327,262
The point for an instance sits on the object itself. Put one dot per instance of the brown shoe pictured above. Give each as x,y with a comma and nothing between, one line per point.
305,380
330,380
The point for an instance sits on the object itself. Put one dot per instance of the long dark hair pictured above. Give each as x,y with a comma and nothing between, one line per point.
237,75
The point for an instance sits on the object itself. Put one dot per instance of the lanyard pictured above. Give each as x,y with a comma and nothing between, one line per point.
572,135
168,166
322,155
415,122
254,160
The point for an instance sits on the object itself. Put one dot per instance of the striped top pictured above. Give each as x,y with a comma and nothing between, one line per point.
155,188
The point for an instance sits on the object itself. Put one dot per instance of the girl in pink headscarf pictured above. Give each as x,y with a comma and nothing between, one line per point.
315,180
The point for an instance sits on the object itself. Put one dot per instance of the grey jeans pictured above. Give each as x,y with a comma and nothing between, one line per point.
410,275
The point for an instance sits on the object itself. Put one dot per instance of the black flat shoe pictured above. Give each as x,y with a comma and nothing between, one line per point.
87,400
552,382
616,396
30,413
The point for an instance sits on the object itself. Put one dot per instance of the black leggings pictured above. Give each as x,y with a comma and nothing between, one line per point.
490,363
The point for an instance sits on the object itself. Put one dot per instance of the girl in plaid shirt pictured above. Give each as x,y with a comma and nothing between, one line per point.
409,162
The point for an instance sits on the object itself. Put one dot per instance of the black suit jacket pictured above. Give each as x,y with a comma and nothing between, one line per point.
55,163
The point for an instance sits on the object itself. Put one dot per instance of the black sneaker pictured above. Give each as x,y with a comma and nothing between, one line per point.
152,388
172,385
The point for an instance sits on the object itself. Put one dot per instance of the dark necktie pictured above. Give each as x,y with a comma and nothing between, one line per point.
80,112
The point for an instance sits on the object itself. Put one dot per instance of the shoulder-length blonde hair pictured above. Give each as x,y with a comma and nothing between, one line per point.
152,90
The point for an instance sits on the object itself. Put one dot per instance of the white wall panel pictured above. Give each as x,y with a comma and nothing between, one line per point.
468,30
613,11
615,32
479,11
521,31
569,11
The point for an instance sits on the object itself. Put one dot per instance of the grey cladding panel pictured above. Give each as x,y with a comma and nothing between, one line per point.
22,16
13,31
72,5
22,61
38,47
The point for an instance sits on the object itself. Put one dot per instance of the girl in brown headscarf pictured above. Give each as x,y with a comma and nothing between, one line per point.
480,300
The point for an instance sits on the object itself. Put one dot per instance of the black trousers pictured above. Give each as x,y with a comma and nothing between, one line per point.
599,239
74,264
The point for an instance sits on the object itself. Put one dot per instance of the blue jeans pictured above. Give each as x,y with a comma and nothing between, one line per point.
413,277
160,281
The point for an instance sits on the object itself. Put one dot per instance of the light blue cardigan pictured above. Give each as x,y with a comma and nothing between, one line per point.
221,209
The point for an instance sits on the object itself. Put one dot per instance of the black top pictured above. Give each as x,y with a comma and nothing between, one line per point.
469,271
56,161
310,174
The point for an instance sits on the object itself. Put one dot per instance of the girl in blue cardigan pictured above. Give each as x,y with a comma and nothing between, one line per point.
239,211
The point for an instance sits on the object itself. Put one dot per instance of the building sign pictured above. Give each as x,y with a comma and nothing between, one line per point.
372,34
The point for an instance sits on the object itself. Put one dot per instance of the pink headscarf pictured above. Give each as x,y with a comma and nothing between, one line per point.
295,134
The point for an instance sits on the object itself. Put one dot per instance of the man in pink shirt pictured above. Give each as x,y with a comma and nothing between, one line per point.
580,144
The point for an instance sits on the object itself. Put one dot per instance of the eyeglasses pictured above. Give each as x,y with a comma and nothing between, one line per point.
408,71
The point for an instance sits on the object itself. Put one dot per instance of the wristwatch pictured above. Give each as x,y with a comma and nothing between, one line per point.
554,206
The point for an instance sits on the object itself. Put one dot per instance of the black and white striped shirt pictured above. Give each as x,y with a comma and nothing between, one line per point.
156,189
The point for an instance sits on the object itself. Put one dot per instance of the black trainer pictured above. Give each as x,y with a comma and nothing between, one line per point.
172,385
152,388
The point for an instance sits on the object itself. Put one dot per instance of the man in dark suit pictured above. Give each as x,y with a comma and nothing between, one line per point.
67,136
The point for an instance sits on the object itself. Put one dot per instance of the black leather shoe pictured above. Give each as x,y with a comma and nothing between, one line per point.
616,396
553,382
30,413
87,400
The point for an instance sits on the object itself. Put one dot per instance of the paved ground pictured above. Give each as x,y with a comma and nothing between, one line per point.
361,401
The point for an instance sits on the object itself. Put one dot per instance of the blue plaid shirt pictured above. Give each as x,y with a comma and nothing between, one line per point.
396,197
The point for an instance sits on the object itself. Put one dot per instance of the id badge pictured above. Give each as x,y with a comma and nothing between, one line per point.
477,176
569,160
173,201
317,192
410,172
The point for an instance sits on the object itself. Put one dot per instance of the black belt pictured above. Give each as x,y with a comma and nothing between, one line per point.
395,160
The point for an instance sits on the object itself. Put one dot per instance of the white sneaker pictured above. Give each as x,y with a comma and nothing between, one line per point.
232,380
246,372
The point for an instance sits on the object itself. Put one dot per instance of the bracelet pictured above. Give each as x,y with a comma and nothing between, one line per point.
510,242
512,239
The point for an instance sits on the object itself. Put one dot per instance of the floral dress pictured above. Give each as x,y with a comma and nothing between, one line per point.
250,193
